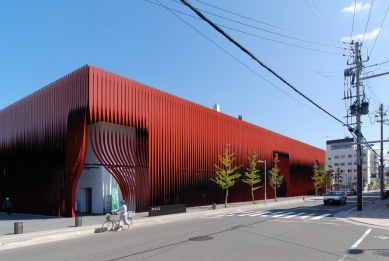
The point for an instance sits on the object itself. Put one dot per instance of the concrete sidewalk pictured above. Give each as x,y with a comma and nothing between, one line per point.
41,229
376,214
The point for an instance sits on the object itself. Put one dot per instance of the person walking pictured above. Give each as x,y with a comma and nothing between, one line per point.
7,205
123,215
177,198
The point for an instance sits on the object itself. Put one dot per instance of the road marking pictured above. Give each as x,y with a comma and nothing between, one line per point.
295,215
381,237
257,214
356,243
302,221
279,212
265,214
280,215
306,216
321,216
360,240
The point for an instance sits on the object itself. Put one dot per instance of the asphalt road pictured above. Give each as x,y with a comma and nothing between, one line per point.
294,232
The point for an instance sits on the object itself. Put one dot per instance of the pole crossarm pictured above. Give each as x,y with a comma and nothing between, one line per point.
373,76
364,142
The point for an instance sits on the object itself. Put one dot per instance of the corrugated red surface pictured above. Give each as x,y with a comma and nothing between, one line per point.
40,141
177,142
184,140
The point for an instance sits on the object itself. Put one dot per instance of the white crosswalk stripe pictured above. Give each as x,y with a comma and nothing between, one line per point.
259,214
295,215
280,214
321,216
306,216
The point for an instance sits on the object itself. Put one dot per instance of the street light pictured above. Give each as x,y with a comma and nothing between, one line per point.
264,161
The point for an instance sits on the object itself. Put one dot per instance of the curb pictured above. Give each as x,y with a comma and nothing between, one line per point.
29,239
43,237
343,216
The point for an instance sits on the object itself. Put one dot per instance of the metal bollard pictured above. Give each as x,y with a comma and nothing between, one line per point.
78,221
214,206
18,228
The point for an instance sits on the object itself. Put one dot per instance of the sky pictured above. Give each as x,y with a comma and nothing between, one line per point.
163,44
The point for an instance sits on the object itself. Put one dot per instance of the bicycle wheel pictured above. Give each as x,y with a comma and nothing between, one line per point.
107,226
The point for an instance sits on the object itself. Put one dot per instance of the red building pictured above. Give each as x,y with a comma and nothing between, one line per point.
153,143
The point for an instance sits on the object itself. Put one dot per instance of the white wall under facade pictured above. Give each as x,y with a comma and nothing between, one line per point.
98,179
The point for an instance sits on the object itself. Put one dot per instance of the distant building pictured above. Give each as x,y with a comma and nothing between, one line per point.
342,154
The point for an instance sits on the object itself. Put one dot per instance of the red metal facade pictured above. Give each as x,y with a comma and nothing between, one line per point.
176,145
42,141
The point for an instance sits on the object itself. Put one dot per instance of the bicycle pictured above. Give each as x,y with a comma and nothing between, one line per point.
110,223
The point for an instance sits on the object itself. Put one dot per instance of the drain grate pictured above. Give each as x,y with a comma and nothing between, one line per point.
203,238
381,253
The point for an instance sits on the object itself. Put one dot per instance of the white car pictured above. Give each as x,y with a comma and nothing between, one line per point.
335,197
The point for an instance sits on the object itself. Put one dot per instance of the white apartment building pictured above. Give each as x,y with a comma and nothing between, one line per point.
342,154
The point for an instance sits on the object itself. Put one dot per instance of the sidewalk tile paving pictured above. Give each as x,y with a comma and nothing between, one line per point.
376,214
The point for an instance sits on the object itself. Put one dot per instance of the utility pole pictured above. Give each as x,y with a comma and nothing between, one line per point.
357,109
358,64
382,152
381,172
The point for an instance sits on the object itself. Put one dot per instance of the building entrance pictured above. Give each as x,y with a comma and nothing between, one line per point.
86,199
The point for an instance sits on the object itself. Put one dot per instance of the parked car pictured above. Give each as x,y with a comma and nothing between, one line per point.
335,197
348,192
354,192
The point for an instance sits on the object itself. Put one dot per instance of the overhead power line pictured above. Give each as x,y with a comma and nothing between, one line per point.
283,59
293,45
256,59
371,7
264,30
239,60
379,30
352,26
257,36
334,41
274,26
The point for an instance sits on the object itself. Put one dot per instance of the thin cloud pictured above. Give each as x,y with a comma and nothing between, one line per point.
359,7
368,36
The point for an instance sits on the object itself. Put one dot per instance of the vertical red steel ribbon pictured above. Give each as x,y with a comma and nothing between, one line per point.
116,149
174,149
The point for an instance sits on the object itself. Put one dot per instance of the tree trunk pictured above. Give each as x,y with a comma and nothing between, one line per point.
225,203
252,193
316,191
275,194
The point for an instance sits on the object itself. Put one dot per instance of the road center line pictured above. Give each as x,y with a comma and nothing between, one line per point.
357,243
360,240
